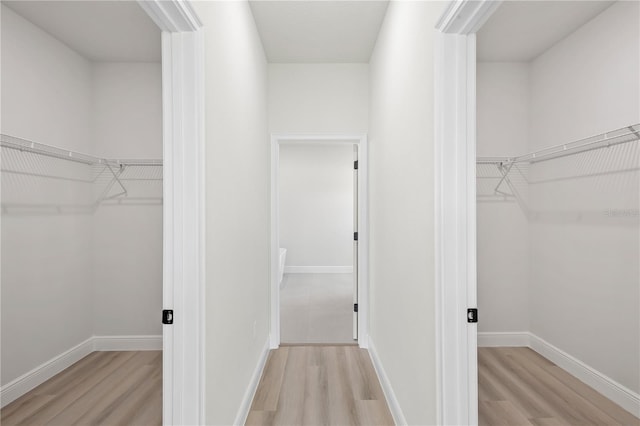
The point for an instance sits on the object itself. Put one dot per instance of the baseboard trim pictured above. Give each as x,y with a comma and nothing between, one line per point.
23,384
247,400
504,338
127,343
621,395
318,269
389,394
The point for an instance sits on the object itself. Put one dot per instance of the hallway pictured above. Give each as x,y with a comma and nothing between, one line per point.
328,385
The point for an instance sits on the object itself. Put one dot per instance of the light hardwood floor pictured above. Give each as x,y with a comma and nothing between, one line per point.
517,386
319,385
105,388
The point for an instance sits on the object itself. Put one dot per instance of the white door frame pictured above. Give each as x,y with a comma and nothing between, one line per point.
455,200
363,230
183,212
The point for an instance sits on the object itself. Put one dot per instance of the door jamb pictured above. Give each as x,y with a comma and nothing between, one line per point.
455,202
363,230
183,364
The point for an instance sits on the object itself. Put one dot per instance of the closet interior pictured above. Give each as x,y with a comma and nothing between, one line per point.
81,213
558,202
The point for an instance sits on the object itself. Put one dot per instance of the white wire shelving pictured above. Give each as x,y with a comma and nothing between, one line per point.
509,179
43,179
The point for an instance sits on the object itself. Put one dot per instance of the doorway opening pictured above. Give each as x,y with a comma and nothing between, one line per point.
318,283
535,188
318,239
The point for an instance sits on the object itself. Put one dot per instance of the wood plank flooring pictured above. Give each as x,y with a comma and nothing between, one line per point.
312,385
105,388
319,385
517,386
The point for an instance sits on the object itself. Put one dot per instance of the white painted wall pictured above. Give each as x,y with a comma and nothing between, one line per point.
237,205
308,98
316,204
584,272
46,280
127,255
402,205
503,233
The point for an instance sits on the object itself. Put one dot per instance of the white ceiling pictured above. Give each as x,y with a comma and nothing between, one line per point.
111,31
318,31
522,30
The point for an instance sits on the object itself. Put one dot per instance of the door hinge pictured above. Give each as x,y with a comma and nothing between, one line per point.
355,236
472,315
355,307
167,316
355,165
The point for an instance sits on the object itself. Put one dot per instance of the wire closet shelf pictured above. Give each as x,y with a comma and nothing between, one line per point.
39,178
510,178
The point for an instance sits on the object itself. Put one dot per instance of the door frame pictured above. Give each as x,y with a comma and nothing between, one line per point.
183,358
363,225
455,201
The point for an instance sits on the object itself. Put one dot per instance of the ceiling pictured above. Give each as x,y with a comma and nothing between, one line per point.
519,31
318,31
110,31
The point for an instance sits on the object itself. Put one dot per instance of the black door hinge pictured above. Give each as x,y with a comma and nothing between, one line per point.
167,316
355,165
472,315
355,307
355,236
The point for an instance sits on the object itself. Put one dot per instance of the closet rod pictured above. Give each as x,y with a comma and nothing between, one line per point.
603,140
19,144
24,145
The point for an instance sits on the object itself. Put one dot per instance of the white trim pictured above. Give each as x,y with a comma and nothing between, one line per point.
621,395
23,384
454,225
172,15
504,339
363,221
389,394
455,203
183,212
247,399
318,269
184,225
127,343
466,17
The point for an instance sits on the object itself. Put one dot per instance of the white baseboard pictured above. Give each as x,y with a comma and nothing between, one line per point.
504,338
127,343
23,384
245,406
318,269
621,395
389,394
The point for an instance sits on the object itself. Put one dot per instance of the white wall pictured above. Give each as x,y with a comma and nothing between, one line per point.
402,205
330,98
584,263
316,204
237,204
46,291
503,232
127,255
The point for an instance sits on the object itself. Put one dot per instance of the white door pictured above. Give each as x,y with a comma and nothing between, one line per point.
355,242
